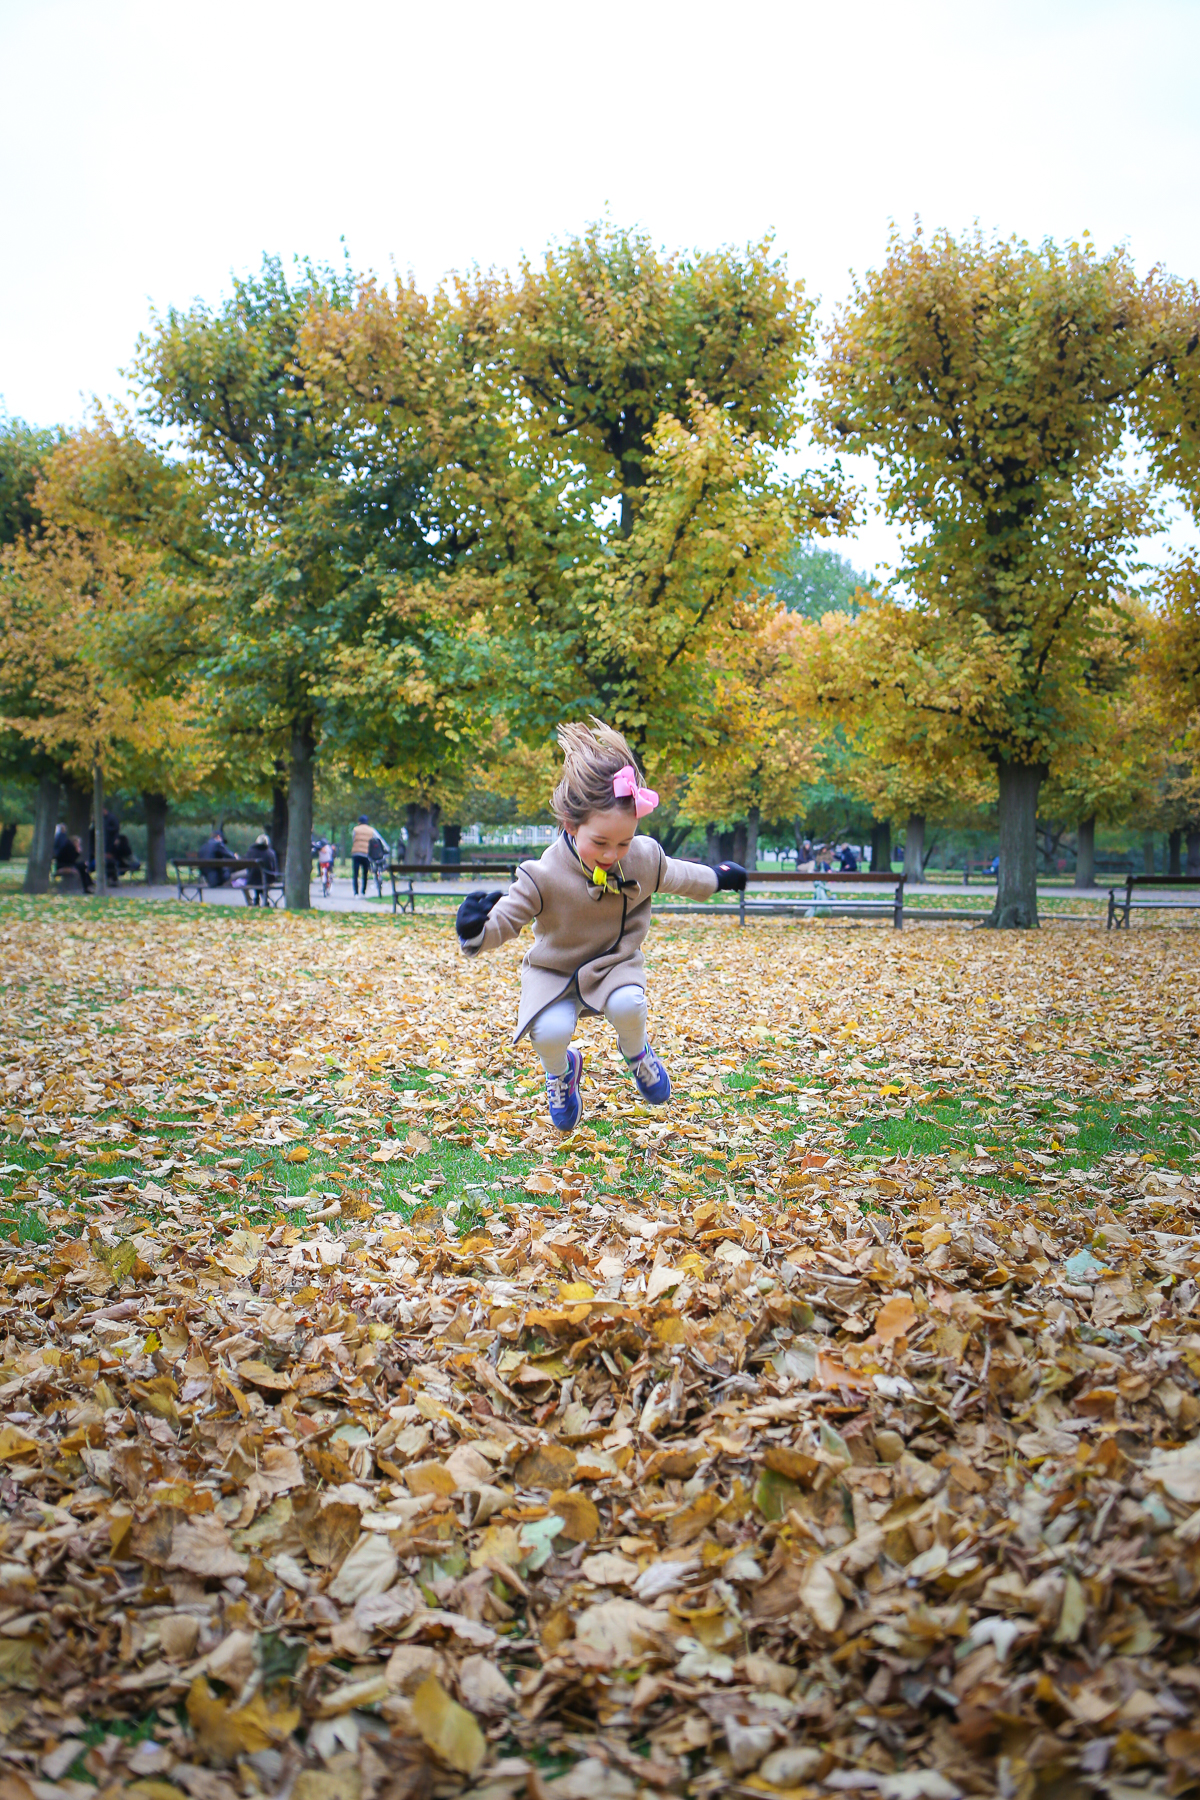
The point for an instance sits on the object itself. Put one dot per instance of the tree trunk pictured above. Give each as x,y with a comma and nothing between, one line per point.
1085,854
8,833
155,808
98,830
1016,886
1174,847
738,852
77,802
712,846
41,851
297,877
881,847
752,824
914,847
1193,850
279,824
422,822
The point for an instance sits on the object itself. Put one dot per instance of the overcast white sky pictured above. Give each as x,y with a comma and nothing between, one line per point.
149,147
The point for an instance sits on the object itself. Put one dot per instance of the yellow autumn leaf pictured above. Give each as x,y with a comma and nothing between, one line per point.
448,1728
226,1733
16,1444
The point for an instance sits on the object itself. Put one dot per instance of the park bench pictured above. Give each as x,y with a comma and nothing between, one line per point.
1119,910
839,906
190,872
403,875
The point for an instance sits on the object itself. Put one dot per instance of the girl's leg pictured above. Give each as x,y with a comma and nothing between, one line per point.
626,1013
551,1033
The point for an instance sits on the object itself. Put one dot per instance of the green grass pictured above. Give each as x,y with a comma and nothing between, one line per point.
1100,1129
867,1130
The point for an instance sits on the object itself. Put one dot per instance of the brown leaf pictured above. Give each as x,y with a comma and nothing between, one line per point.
548,1466
328,1531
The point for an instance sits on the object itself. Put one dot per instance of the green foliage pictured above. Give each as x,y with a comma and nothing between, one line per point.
813,581
23,453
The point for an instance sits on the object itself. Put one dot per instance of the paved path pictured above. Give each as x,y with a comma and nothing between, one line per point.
342,898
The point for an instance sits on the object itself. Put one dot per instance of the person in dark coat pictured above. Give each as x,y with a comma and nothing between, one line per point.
847,861
112,831
216,850
261,853
68,855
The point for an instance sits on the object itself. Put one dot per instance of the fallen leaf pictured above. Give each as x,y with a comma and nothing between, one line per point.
448,1728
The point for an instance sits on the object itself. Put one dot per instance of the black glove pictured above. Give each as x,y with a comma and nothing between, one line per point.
471,914
730,875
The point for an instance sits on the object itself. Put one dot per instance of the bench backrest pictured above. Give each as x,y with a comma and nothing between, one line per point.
857,875
466,868
1132,881
234,863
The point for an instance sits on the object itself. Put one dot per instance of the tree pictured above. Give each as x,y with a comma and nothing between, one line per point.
595,443
304,521
670,380
763,752
104,483
76,608
1172,670
1112,771
992,382
23,453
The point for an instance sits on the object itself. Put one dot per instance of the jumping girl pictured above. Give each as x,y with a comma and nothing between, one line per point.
588,897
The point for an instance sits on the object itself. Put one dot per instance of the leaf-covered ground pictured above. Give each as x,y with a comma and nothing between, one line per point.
835,1429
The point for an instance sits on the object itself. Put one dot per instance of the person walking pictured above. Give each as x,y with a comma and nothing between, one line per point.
360,847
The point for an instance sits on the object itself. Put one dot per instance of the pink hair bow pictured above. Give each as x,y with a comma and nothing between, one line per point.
625,787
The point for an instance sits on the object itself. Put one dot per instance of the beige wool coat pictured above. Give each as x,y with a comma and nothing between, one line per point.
581,933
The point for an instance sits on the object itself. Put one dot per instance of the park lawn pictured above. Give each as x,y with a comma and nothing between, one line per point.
848,1400
1004,1141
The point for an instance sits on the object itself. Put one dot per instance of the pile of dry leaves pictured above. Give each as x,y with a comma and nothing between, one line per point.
779,1477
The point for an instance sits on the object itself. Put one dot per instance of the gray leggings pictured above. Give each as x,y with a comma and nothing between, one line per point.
551,1032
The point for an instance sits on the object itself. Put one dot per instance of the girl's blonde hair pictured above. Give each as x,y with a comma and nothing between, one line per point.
592,755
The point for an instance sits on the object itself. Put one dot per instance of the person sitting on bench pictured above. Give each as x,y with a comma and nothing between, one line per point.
216,850
68,854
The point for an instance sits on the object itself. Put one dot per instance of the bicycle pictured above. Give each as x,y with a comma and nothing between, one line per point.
326,854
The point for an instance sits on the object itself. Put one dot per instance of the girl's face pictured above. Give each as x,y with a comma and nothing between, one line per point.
603,838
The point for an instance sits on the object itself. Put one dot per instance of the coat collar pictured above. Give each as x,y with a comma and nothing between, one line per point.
614,881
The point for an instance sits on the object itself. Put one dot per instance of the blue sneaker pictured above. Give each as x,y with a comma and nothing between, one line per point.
562,1091
653,1082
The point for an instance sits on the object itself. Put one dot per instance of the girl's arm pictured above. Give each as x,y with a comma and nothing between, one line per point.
695,880
509,916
